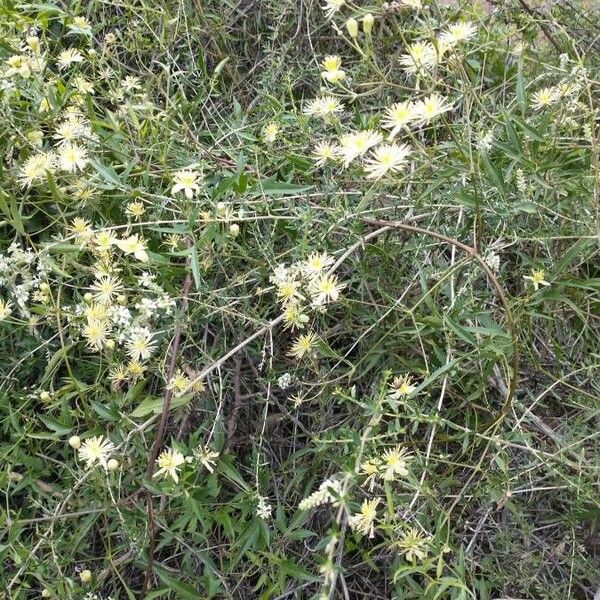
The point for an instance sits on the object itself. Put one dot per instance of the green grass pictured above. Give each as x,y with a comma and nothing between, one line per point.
501,428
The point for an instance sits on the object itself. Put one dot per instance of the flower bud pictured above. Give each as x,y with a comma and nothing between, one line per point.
110,344
122,299
44,287
221,208
367,23
234,230
85,576
46,593
45,396
352,27
87,297
75,442
112,464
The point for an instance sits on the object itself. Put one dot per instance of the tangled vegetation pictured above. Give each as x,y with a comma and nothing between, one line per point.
299,300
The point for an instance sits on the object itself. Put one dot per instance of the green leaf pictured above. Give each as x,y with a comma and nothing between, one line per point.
494,174
294,570
195,264
108,174
55,425
183,590
151,404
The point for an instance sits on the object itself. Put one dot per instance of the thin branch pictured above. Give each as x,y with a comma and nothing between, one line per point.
160,431
472,253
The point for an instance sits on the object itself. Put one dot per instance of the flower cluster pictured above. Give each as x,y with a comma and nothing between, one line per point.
329,492
306,285
390,465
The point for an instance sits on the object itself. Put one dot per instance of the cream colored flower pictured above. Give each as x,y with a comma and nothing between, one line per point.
72,157
324,289
458,32
36,168
401,387
207,457
325,152
388,158
544,98
288,291
364,521
106,288
96,334
135,209
394,463
169,463
133,245
294,317
96,450
332,6
141,345
68,57
179,383
431,107
323,107
398,116
537,278
332,69
303,345
356,144
420,56
186,181
316,263
270,132
414,545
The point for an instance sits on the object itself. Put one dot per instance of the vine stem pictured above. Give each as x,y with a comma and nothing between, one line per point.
160,432
473,254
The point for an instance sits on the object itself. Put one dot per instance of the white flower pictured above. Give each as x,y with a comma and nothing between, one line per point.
325,152
421,56
68,57
141,345
386,158
284,381
323,107
458,32
263,508
186,181
356,144
328,493
398,116
96,449
72,157
169,463
332,6
135,246
544,97
431,107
